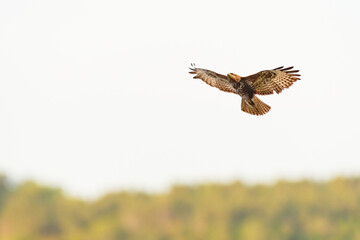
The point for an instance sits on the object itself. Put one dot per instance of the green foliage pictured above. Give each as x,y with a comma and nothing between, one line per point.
284,211
4,190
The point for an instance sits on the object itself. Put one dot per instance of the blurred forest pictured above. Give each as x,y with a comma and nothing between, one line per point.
285,210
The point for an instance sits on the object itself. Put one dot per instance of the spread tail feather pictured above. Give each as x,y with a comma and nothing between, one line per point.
256,107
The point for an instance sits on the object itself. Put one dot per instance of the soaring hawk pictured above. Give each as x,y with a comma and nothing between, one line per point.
262,83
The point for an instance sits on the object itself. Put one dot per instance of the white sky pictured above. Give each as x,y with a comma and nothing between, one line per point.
96,96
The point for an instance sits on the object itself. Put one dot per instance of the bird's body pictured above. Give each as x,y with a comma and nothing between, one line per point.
262,83
243,89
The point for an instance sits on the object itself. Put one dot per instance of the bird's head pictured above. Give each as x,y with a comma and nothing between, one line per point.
234,77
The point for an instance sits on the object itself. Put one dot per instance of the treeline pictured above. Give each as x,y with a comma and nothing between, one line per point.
285,210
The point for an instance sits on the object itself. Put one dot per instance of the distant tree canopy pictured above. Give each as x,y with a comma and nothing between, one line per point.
4,190
285,210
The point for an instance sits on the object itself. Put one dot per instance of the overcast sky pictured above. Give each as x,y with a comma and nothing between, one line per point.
95,96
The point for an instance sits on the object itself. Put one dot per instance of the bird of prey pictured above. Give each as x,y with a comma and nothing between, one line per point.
261,83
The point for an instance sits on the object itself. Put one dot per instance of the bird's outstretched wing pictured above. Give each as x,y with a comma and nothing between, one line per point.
268,81
212,78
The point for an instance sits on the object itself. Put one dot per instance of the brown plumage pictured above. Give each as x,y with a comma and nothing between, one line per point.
262,83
